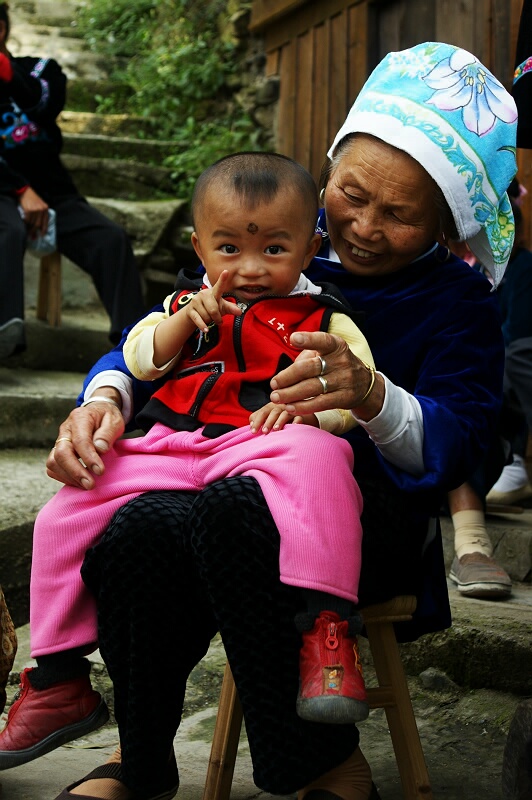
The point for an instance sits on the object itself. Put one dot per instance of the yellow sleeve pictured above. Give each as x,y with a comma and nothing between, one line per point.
138,347
340,420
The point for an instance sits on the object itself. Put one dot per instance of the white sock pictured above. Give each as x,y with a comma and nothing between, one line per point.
513,476
470,535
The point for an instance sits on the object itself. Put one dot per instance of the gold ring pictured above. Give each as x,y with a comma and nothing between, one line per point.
323,365
324,385
63,439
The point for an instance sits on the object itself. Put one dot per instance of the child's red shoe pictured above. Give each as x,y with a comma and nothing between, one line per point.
42,719
331,683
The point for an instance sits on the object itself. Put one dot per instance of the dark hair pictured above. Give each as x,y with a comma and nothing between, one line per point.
4,16
257,178
447,222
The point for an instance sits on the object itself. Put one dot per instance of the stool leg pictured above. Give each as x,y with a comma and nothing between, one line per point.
401,721
42,296
49,296
225,742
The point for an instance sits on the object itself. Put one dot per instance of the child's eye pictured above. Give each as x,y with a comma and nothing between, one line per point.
274,250
229,249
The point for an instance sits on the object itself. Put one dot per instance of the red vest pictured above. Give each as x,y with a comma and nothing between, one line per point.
224,375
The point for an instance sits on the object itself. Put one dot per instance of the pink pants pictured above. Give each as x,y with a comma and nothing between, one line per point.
305,475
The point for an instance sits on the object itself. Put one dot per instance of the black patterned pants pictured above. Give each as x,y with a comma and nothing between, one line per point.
174,568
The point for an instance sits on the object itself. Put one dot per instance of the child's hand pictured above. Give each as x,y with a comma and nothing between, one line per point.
271,417
208,306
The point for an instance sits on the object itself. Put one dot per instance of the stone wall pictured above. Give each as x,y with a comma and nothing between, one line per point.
255,93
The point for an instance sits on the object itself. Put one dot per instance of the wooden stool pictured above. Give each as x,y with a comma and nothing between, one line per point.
49,297
391,694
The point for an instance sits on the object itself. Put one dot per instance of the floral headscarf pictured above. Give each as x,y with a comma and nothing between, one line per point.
440,105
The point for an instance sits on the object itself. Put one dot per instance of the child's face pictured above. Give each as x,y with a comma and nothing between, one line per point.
263,248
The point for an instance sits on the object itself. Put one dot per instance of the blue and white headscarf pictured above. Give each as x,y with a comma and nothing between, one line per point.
440,105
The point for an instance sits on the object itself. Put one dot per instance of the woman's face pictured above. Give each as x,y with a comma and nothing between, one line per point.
380,206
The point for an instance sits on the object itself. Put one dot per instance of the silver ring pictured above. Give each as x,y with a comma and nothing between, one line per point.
324,385
323,365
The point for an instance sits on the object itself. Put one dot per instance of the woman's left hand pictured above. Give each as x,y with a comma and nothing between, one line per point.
326,375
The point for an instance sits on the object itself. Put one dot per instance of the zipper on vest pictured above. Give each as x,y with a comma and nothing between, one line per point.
206,387
237,341
237,328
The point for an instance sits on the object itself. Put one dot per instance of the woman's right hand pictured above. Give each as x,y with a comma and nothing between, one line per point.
87,431
347,379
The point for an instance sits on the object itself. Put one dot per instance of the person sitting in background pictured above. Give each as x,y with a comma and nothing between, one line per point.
33,180
515,301
474,570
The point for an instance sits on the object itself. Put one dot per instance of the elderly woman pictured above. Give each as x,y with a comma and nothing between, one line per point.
425,154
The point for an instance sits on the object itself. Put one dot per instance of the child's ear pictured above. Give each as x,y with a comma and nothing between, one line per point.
196,245
313,247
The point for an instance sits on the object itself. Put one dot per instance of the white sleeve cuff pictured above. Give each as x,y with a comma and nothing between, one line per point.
397,430
118,380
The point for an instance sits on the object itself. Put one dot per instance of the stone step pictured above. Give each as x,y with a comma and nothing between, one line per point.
89,122
34,403
51,12
97,145
489,645
25,489
105,177
71,52
69,348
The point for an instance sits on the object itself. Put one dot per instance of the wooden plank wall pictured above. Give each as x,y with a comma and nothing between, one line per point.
319,52
324,51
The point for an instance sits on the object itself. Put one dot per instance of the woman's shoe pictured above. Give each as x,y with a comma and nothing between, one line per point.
114,770
321,794
350,780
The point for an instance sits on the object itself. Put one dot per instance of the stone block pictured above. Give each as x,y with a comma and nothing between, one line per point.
514,552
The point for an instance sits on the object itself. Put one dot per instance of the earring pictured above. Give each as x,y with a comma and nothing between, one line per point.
322,195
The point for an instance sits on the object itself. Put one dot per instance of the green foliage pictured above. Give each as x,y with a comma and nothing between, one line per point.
174,71
117,28
204,143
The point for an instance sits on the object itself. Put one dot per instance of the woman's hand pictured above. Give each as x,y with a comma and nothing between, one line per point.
326,375
86,432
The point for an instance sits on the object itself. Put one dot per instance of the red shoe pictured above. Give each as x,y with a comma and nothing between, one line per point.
331,683
41,720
